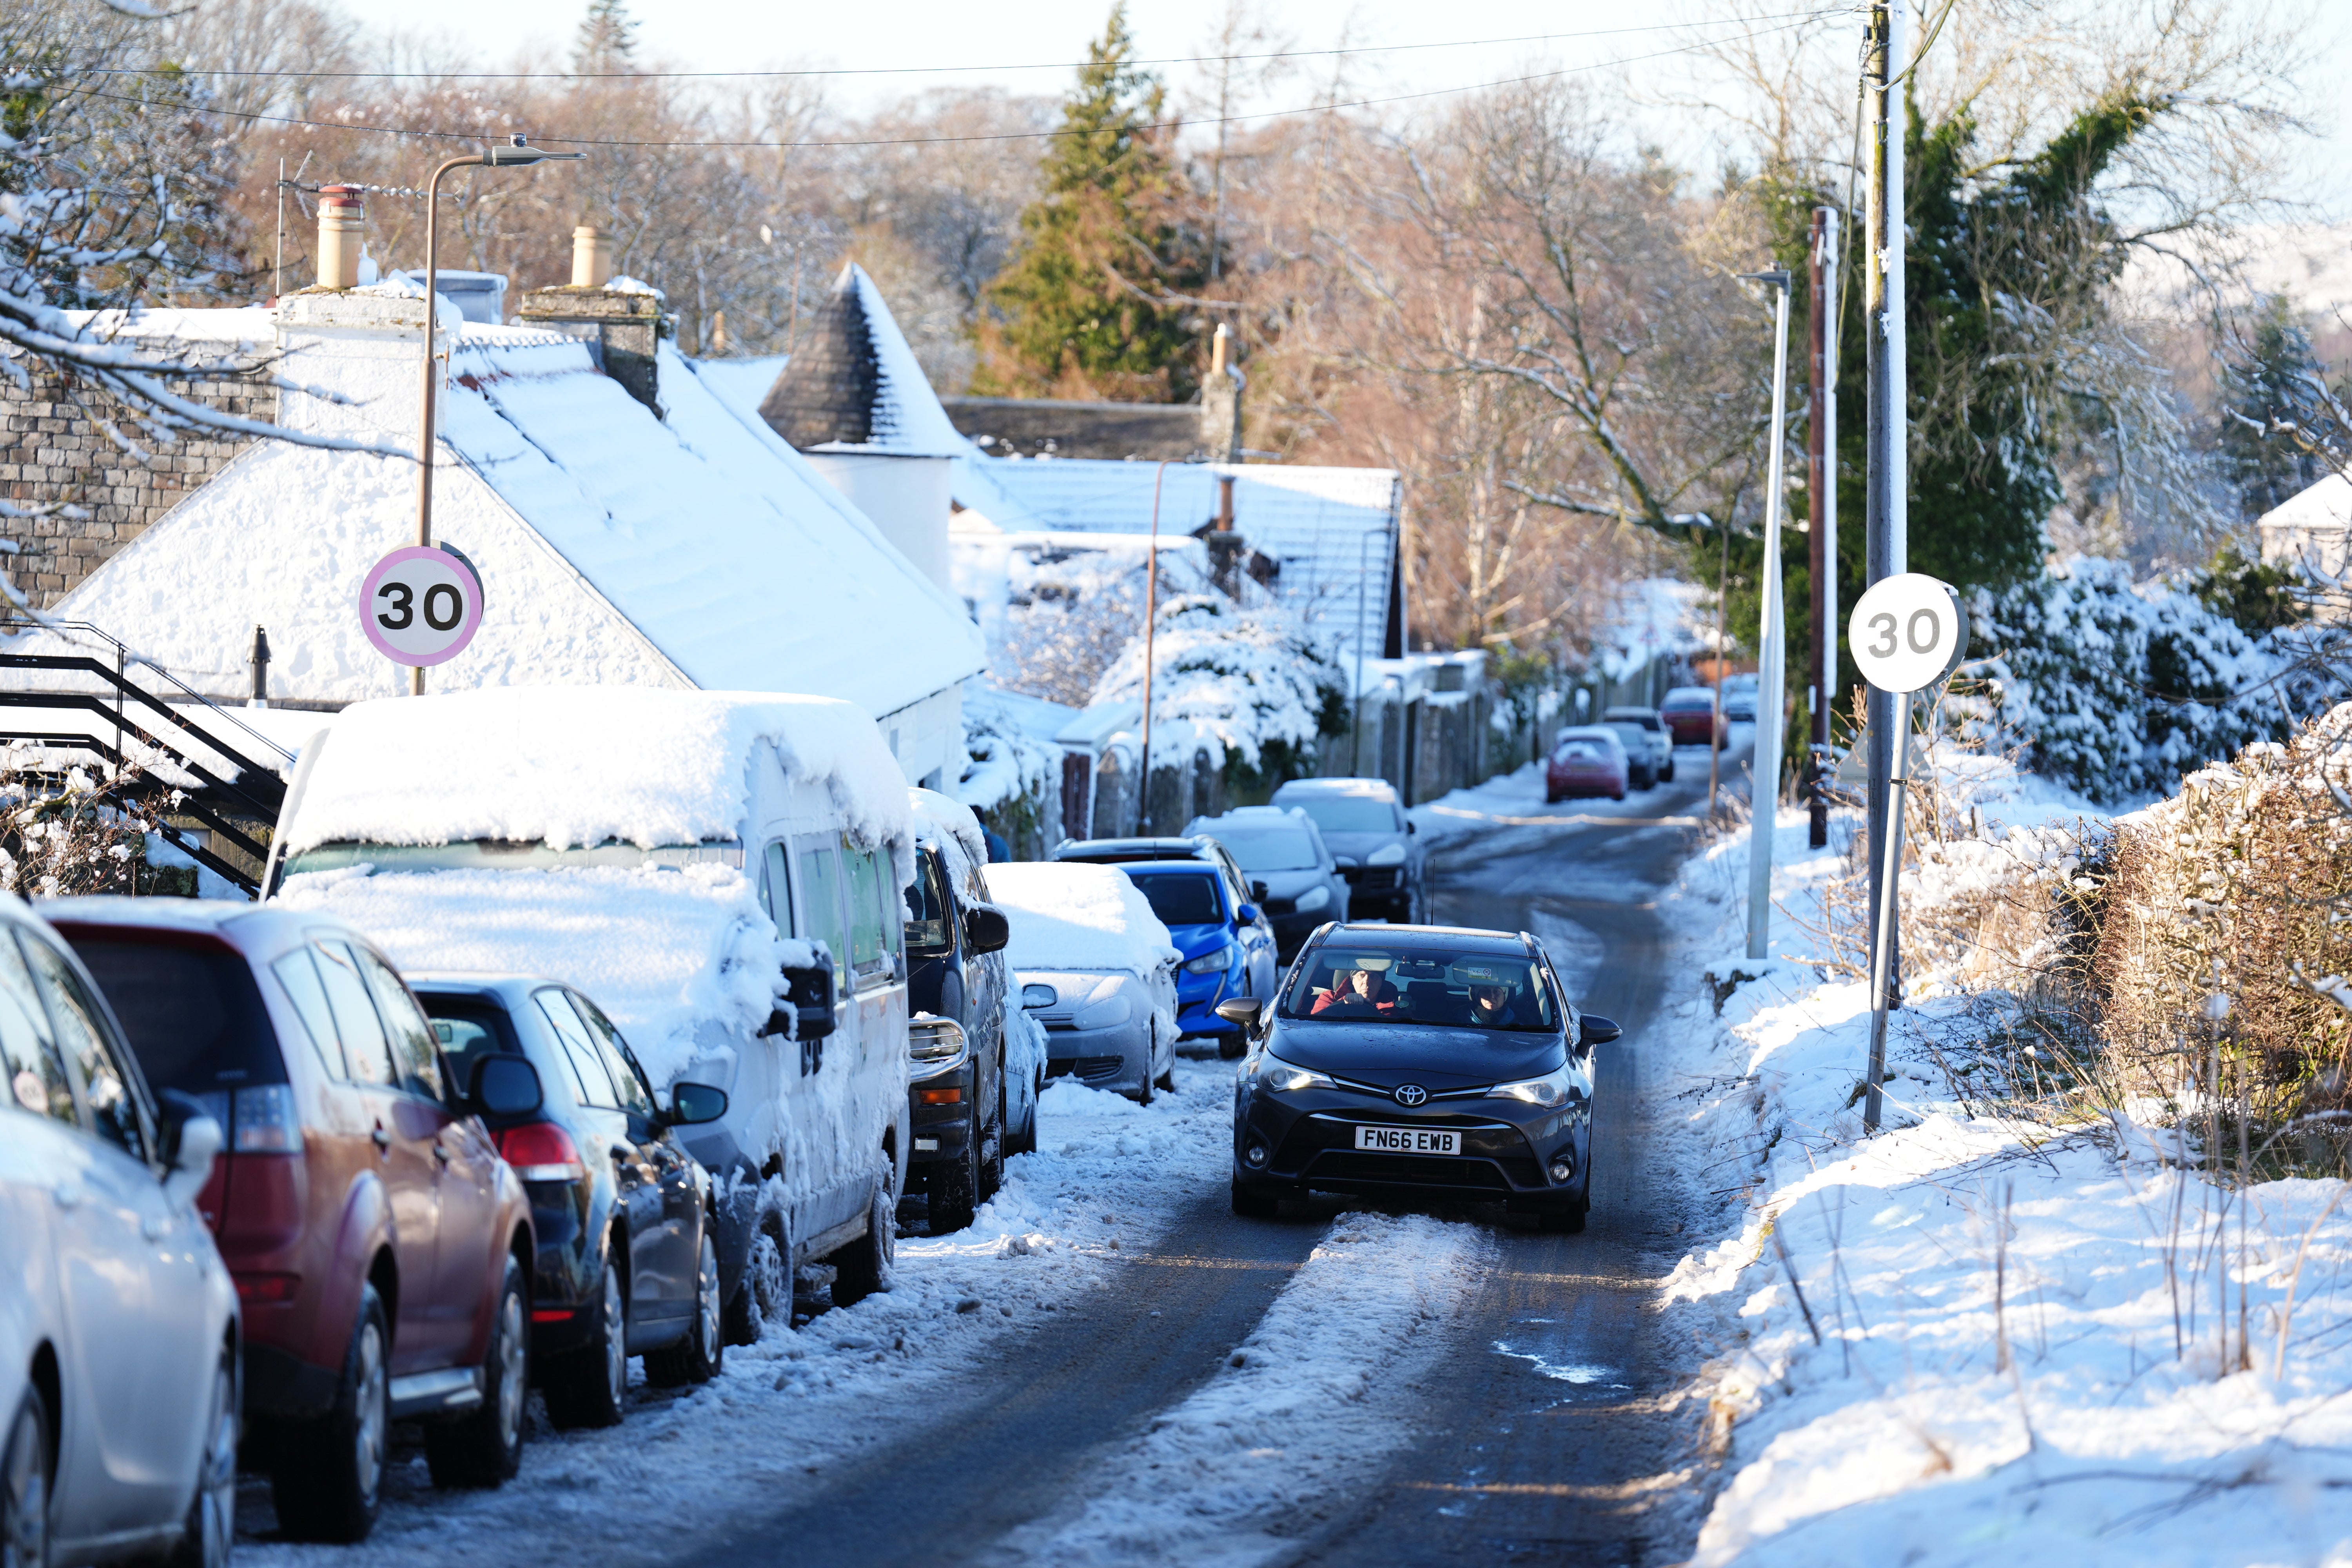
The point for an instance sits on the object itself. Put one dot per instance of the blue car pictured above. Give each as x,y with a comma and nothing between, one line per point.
1194,888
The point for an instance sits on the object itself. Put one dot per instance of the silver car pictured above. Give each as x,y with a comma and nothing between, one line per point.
1364,824
1095,967
119,1325
1647,742
1284,853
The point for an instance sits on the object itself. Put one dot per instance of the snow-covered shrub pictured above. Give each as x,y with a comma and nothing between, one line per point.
1247,686
1014,778
1073,606
85,831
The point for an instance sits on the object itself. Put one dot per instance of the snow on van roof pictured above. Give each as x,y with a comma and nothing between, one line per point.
574,766
1069,915
947,819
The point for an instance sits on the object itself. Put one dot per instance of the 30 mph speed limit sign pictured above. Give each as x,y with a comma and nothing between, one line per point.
1908,632
420,605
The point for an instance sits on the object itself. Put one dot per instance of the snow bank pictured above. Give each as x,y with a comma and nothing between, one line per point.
1067,916
664,953
574,766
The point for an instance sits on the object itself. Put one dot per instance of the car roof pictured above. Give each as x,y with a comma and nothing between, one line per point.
1253,814
238,924
1379,788
476,983
1585,732
1450,938
1629,710
1704,692
1130,849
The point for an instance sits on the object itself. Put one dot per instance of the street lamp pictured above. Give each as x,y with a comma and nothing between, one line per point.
514,152
1764,785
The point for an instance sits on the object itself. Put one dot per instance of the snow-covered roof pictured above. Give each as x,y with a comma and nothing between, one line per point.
854,385
1067,915
2321,511
572,767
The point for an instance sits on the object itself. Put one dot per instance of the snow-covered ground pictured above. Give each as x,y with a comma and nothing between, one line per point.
1516,799
1975,1339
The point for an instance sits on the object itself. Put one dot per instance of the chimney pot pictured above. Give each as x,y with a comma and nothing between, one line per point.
1217,349
342,229
591,257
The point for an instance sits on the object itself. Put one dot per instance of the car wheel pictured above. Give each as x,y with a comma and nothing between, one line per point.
1232,1047
764,1295
327,1479
1619,795
484,1447
211,1524
590,1386
1167,1080
25,1485
1567,1221
1250,1203
955,1188
1669,774
703,1353
992,1148
867,1266
1551,796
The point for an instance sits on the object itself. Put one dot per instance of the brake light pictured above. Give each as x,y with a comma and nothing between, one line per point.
542,1151
266,1123
261,1288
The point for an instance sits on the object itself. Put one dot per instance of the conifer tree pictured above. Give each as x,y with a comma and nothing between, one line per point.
607,40
2269,393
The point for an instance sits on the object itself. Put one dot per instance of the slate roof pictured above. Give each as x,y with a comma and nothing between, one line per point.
853,383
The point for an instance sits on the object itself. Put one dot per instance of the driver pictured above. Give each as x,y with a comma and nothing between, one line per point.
1356,993
1493,1007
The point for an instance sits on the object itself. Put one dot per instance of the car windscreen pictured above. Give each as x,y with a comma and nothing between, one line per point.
1639,720
1180,898
927,908
1349,813
1584,749
1266,846
193,1014
1633,735
1423,985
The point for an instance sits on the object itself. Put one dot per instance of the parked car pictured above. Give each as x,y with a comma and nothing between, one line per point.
1739,698
1656,747
1586,759
1348,1088
722,871
627,1263
1689,713
119,1323
1284,852
1096,967
977,1062
1229,955
382,1247
1364,824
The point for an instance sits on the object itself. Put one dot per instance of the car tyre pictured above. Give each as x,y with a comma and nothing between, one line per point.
1232,1047
700,1355
25,1484
211,1526
1569,1221
484,1446
1254,1203
590,1386
1668,775
955,1188
867,1266
326,1479
765,1292
992,1148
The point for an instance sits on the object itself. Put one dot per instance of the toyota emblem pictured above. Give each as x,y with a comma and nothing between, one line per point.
1410,1094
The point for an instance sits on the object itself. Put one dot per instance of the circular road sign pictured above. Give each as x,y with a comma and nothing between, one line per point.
1908,632
420,605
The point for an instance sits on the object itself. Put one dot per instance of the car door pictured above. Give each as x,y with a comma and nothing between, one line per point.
403,1130
878,934
637,1198
134,1269
678,1237
985,985
816,1204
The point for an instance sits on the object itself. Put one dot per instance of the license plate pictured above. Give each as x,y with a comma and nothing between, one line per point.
1407,1140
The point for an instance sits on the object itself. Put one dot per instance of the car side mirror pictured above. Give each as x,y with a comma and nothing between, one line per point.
192,1136
1411,826
1242,1010
1248,914
1595,1030
810,991
692,1104
985,929
1034,996
505,1086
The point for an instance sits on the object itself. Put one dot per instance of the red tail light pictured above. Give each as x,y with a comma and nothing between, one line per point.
264,1288
542,1151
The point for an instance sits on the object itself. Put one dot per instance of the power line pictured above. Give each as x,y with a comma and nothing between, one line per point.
935,71
1178,124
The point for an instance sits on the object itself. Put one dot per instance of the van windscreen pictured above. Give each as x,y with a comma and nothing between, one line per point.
193,1013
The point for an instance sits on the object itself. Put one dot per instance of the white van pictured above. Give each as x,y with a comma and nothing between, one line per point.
719,872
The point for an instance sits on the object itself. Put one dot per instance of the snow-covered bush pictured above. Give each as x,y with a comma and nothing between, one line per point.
1013,778
1074,604
85,831
1248,686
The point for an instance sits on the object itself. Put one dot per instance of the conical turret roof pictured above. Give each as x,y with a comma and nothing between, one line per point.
852,384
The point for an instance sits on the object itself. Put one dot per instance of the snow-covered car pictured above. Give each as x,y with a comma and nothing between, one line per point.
1739,698
722,871
1096,969
1284,852
1223,933
1644,728
1690,716
1586,759
119,1323
978,1061
1363,821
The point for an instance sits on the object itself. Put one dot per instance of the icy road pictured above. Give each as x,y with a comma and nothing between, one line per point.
1109,1368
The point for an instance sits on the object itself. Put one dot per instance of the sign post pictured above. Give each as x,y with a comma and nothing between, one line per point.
1909,633
421,605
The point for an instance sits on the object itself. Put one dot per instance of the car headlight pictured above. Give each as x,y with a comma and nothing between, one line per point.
1550,1090
1286,1077
934,1045
1215,962
1114,1008
1313,899
1386,855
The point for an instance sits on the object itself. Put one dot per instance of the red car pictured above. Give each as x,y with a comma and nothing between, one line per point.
1587,759
1689,713
381,1249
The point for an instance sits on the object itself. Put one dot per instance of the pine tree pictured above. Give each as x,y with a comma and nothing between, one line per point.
1087,305
607,40
2270,382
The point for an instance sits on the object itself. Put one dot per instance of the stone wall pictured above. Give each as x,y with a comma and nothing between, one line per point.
52,449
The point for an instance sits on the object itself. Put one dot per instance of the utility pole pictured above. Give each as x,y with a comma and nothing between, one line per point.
1771,643
1821,481
1888,480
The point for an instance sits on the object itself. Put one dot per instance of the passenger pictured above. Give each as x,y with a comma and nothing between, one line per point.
1492,1007
1356,993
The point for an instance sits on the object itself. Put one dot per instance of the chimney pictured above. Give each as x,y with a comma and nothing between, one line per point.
342,226
1221,403
591,257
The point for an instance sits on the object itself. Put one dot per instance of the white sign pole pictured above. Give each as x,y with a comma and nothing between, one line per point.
1882,933
1772,653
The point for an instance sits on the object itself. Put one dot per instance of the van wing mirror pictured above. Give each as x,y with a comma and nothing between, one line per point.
1595,1030
810,991
985,929
692,1104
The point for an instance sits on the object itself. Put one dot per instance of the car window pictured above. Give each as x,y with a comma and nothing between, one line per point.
300,974
1270,846
587,1064
777,888
1180,898
869,949
193,1012
927,908
413,1049
36,1073
627,1076
357,1025
79,1027
465,1037
821,901
1348,813
1423,985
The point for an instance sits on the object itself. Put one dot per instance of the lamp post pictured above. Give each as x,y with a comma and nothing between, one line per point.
1771,649
1150,613
512,153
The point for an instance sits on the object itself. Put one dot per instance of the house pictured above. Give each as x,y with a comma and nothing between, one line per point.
2311,530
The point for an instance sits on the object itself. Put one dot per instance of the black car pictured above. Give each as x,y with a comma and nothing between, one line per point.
627,1264
1419,1062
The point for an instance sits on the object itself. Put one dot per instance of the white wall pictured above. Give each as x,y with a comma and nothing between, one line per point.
907,498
